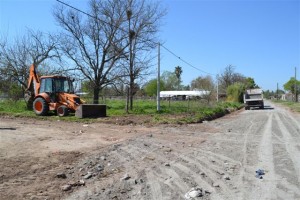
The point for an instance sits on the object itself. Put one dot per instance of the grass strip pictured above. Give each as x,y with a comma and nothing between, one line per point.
180,112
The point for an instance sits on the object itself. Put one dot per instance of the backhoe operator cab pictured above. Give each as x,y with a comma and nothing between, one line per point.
51,93
55,84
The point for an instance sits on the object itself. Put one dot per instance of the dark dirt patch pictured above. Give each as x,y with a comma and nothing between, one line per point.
34,177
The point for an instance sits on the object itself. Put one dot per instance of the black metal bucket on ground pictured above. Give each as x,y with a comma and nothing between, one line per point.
91,111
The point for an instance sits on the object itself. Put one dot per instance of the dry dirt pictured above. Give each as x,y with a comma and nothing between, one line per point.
106,161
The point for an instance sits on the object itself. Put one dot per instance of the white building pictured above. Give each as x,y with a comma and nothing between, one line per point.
187,94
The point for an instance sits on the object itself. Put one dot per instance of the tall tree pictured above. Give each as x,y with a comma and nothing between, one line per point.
293,86
204,83
94,43
151,87
170,80
143,20
229,77
250,83
178,72
108,44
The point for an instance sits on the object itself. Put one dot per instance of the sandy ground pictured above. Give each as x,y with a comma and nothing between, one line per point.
38,159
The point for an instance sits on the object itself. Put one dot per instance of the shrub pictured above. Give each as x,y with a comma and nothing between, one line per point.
15,92
235,92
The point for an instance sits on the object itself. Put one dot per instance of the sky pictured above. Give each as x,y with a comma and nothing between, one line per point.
261,38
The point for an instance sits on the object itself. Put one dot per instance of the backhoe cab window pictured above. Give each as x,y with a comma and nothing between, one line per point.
51,85
63,85
46,85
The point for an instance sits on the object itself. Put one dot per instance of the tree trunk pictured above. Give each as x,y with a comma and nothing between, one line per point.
96,95
29,104
127,98
131,91
29,98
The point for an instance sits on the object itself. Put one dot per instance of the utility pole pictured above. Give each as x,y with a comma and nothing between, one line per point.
277,92
296,99
217,88
158,79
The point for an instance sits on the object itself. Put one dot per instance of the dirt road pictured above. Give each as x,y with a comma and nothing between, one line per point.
219,159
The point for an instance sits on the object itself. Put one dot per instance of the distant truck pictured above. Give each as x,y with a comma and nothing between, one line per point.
253,98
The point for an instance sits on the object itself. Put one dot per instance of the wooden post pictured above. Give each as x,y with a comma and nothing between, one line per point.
158,80
296,99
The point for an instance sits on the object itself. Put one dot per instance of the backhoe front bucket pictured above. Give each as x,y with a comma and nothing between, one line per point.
91,111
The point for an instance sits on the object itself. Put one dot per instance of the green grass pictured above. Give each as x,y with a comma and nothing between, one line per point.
175,111
15,108
295,106
171,112
19,109
117,107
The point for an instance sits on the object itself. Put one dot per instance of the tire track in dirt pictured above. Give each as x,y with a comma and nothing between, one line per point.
194,162
133,159
166,175
291,119
156,191
218,156
266,162
288,183
202,160
242,173
290,146
186,166
199,180
247,128
211,177
272,186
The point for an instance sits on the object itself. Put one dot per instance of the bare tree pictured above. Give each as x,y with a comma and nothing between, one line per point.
17,56
94,42
110,41
33,48
229,77
143,22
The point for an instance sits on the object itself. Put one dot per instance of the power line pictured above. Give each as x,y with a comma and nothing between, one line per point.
76,9
83,12
117,27
186,61
171,52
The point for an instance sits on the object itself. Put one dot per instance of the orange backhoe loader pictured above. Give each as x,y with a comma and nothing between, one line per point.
56,93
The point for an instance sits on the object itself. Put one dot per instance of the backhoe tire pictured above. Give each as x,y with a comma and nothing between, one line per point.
40,106
62,111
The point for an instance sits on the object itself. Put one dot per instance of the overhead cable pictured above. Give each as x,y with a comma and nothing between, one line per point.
171,52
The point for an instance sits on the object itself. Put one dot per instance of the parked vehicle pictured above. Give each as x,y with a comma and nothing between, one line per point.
253,98
56,93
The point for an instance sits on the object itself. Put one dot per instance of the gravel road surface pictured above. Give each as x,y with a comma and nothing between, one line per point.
248,154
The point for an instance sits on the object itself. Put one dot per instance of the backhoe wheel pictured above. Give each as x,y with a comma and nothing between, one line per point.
62,111
40,106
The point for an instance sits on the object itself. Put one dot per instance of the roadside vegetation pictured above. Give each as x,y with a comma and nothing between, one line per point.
144,111
294,106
